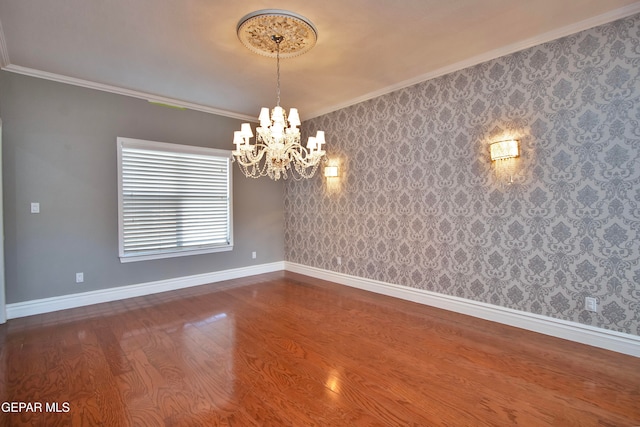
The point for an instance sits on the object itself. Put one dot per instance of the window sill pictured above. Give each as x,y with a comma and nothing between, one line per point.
162,255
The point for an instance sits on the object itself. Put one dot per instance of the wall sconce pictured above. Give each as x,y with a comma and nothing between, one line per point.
330,171
333,176
504,155
505,149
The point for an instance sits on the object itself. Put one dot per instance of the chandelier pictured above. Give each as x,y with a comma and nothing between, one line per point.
277,152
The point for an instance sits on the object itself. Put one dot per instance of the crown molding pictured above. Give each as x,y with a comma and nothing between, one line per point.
586,24
126,92
4,53
475,60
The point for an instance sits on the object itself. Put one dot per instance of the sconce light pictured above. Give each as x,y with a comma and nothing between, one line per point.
504,149
332,180
504,155
331,171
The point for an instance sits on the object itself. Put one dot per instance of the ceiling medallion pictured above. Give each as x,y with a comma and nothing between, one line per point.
256,30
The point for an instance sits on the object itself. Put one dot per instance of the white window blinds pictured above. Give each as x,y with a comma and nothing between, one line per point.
174,200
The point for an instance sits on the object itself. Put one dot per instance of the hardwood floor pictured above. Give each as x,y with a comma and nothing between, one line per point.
288,350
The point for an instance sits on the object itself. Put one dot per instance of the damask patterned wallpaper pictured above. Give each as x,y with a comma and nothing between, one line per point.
418,204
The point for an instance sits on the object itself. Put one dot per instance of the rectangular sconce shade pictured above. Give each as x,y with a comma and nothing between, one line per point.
504,149
331,171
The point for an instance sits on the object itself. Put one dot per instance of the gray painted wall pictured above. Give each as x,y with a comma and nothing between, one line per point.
60,150
3,314
417,203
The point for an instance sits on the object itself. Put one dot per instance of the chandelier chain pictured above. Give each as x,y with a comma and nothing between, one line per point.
278,40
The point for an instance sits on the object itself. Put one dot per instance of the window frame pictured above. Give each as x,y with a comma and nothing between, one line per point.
165,147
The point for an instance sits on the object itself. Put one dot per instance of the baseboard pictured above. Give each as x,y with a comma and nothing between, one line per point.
577,332
46,305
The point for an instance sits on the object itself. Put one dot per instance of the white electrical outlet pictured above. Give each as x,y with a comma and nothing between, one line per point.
253,255
590,304
79,277
339,260
35,207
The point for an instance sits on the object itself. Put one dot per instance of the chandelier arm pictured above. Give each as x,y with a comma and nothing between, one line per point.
245,163
307,159
246,159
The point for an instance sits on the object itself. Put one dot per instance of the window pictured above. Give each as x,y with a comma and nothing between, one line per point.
173,200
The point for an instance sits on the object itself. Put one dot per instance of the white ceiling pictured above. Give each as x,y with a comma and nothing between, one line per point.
187,53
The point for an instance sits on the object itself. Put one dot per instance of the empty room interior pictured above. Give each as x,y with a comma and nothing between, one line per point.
338,213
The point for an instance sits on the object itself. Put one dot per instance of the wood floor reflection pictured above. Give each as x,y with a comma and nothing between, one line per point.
288,350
